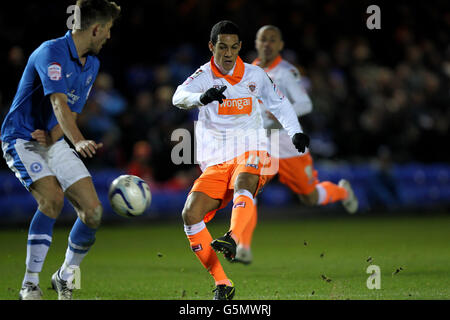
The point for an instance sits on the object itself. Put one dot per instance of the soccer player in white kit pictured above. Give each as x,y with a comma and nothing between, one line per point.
52,92
231,146
295,170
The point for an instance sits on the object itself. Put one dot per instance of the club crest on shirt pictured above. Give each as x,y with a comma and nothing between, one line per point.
251,86
36,167
54,71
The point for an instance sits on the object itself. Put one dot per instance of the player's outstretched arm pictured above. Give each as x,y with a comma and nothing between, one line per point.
213,94
282,109
185,99
196,91
296,93
87,148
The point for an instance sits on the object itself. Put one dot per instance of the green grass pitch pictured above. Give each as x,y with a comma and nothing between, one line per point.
293,259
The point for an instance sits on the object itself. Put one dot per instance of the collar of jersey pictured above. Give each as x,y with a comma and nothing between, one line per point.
237,75
72,48
272,65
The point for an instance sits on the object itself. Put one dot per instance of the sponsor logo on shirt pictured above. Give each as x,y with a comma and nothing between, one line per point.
72,98
54,71
236,106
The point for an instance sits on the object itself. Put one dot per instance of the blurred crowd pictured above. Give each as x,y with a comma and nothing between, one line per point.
377,94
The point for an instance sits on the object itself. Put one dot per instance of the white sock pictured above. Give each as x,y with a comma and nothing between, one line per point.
72,260
322,194
243,192
32,277
194,228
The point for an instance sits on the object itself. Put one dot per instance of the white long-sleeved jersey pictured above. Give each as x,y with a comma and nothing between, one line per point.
225,131
288,80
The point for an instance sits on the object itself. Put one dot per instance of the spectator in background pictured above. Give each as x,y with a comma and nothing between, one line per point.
381,186
137,120
12,72
139,77
111,101
182,62
140,163
95,122
367,87
167,119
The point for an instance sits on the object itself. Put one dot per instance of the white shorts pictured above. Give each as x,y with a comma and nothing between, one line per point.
30,162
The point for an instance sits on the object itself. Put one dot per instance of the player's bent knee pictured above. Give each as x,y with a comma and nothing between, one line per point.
52,204
246,181
197,206
189,215
93,216
192,212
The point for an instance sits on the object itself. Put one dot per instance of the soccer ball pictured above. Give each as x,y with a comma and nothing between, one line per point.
129,196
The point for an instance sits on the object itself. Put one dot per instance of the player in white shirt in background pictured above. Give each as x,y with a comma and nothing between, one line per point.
231,146
295,170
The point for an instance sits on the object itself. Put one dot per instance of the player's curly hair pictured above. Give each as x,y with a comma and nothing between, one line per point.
100,11
224,27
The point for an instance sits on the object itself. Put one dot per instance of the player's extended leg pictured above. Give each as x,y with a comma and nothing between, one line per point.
327,192
85,201
50,199
243,203
245,186
247,179
299,175
243,249
197,205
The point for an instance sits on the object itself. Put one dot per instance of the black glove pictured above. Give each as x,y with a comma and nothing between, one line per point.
213,94
300,141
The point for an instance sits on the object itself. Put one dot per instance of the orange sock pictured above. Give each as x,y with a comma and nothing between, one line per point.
247,234
330,192
200,240
243,209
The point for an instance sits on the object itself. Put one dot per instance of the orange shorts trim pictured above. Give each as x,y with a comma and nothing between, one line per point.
298,174
218,181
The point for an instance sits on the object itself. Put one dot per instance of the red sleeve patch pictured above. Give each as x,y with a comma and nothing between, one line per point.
54,71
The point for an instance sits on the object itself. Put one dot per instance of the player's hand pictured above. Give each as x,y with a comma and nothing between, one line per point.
300,141
87,148
213,94
42,137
